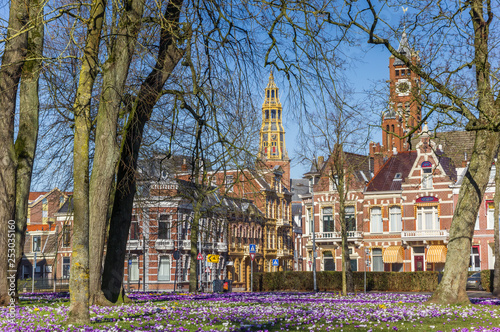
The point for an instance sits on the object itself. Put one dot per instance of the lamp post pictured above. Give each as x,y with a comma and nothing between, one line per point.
367,263
314,236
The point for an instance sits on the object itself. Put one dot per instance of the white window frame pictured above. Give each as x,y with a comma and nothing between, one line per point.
380,225
395,221
427,178
134,269
161,273
379,258
229,183
323,218
38,248
423,223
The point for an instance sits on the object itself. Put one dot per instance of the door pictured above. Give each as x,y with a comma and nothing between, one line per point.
419,263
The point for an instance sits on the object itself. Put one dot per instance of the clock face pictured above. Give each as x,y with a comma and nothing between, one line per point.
403,87
274,137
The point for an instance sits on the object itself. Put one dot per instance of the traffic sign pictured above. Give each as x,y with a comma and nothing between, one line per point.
252,255
253,248
200,257
207,270
213,258
276,262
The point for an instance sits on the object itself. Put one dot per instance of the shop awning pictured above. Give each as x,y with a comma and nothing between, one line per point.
436,254
394,254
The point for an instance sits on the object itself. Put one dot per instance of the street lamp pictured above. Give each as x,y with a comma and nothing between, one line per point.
367,263
314,237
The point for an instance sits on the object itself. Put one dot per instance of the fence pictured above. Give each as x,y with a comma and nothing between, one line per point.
43,285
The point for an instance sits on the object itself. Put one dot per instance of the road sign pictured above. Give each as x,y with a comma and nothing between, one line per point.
213,258
200,257
276,262
253,248
207,270
252,255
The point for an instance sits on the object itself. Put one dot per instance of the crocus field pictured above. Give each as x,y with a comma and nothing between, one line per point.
259,312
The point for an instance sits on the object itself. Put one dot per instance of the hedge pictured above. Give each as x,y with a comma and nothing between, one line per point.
378,281
332,281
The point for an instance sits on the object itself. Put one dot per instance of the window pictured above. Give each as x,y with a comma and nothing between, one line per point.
310,221
164,268
66,236
427,178
328,261
377,263
490,216
37,243
474,263
427,218
229,183
395,219
45,214
65,267
328,225
164,227
272,93
350,218
397,267
376,225
134,269
134,229
354,264
397,73
267,114
273,114
333,182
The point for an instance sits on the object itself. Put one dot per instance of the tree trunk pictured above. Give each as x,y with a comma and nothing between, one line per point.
193,268
452,286
10,73
107,153
79,271
496,277
168,57
29,106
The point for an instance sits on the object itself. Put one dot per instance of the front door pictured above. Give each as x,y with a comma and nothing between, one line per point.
419,263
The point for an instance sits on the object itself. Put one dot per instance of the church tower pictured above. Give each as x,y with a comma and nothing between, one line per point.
404,112
272,148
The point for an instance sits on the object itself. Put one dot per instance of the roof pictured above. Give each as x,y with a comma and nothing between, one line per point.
456,145
404,48
299,187
33,195
385,180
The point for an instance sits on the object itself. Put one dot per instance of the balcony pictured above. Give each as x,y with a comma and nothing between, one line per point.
283,252
221,246
164,244
282,222
186,244
426,235
134,245
336,237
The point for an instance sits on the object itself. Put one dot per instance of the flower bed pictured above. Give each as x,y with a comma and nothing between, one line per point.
263,312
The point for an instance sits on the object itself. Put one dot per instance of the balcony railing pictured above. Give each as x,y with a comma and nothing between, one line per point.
337,236
221,246
164,244
134,244
283,252
186,244
423,235
282,222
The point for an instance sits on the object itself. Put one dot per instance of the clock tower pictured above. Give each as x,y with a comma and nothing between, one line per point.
404,110
272,148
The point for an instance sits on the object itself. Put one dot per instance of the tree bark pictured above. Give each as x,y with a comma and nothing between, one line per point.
29,107
79,271
107,151
452,286
10,73
168,57
496,276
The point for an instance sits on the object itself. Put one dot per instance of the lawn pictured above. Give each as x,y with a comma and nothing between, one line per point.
259,312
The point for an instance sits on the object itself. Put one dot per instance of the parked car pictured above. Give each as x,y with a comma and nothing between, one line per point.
474,281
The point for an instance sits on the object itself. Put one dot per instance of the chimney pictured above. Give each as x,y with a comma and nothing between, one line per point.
321,159
376,154
465,161
184,167
394,151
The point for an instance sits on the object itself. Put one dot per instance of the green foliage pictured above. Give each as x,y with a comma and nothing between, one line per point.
332,281
487,277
